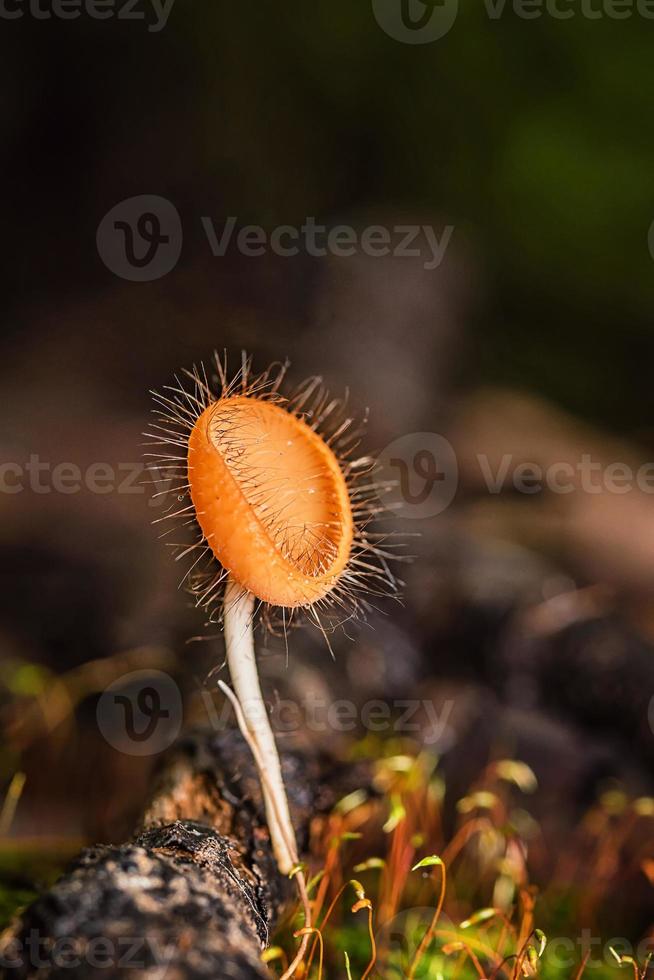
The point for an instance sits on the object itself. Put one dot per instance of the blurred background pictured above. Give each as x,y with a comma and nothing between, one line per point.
527,610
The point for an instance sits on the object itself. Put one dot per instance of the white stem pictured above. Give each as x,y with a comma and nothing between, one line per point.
239,641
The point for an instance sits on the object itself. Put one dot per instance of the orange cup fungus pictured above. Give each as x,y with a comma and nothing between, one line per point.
280,504
271,500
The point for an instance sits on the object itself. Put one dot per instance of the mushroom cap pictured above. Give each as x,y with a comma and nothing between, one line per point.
271,500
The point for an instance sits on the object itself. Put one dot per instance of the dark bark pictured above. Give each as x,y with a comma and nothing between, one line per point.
194,894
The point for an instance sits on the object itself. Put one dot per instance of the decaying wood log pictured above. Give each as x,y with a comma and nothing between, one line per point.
194,894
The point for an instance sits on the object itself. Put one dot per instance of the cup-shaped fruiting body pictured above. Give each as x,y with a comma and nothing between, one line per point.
274,495
271,500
